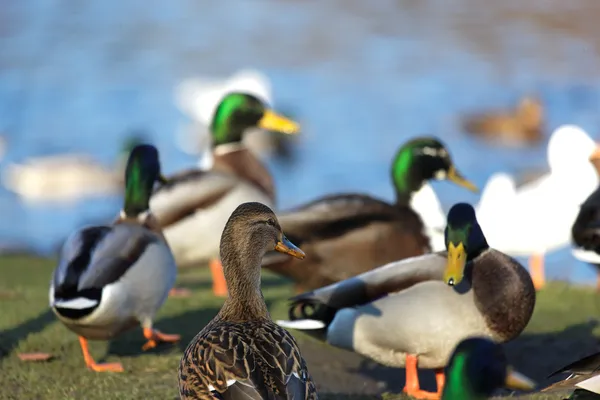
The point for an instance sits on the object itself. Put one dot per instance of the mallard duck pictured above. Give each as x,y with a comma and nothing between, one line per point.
559,193
584,376
347,234
478,367
414,312
586,228
110,279
66,177
195,205
524,126
242,353
199,97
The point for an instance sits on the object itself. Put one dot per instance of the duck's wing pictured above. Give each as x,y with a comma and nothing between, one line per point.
244,361
333,215
189,191
585,366
94,257
586,230
321,305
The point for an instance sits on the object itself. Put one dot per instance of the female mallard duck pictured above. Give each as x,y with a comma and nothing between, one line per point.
417,310
194,207
524,126
347,234
477,368
112,278
241,352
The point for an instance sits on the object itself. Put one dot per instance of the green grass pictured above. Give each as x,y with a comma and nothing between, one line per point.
560,332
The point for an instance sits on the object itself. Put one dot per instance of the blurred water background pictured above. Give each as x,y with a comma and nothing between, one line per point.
362,78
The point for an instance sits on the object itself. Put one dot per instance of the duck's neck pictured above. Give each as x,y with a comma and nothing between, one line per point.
242,268
406,177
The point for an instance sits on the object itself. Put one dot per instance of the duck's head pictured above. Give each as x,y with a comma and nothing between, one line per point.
254,227
464,241
422,159
238,112
477,368
569,150
530,112
141,173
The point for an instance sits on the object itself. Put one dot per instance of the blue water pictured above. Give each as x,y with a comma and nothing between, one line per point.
362,78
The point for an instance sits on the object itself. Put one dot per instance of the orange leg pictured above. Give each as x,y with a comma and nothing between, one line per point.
154,337
219,284
412,387
536,269
91,364
180,292
440,379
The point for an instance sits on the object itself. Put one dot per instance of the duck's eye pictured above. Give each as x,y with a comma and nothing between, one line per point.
271,222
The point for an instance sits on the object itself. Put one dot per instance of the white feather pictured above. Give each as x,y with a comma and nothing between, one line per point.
302,324
229,383
78,303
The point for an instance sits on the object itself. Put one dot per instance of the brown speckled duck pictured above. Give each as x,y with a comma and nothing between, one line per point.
347,234
524,126
413,313
242,353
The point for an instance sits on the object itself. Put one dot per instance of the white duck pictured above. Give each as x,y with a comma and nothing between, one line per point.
537,217
112,278
199,97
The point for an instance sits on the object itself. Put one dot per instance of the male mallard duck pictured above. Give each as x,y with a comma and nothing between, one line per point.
195,205
416,311
524,126
242,352
559,193
199,97
347,234
477,368
111,278
586,228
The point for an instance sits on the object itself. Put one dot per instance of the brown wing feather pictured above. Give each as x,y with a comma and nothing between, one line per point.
257,353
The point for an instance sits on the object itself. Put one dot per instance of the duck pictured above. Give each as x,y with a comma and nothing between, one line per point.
112,278
66,178
478,367
413,313
559,193
194,206
584,377
198,98
241,352
346,234
585,229
524,126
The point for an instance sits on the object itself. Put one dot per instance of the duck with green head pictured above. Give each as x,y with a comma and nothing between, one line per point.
112,278
347,234
413,313
477,368
194,207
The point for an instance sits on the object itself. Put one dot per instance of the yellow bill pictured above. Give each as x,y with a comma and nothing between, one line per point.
287,247
455,266
456,177
275,122
517,381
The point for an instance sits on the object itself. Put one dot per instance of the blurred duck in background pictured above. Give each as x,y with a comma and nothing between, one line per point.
346,234
113,278
524,126
584,378
195,205
413,313
67,177
537,217
199,97
586,229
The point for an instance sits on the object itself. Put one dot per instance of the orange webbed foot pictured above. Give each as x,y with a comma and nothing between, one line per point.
154,337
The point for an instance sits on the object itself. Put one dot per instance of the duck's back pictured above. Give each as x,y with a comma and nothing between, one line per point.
251,360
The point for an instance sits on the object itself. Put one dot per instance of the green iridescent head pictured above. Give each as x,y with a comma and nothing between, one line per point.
420,160
464,241
141,172
238,112
477,368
